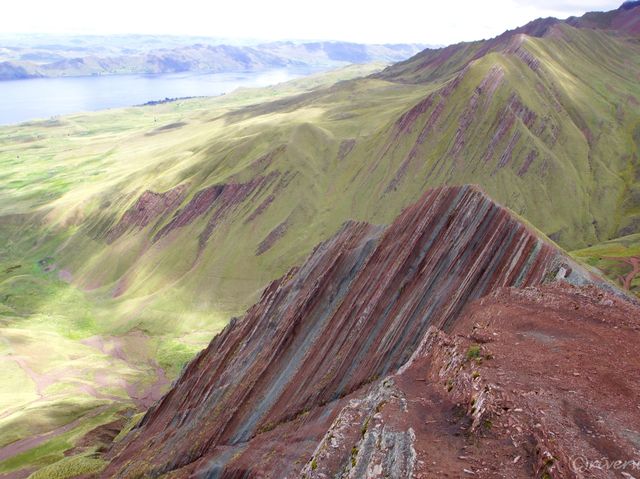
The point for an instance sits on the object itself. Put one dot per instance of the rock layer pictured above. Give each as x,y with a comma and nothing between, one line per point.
257,401
147,208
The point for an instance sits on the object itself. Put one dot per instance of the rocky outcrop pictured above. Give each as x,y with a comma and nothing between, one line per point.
198,205
260,399
275,234
512,392
148,207
345,148
625,20
218,201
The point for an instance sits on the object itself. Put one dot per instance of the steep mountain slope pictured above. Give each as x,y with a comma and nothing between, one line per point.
549,126
433,63
323,335
537,109
163,222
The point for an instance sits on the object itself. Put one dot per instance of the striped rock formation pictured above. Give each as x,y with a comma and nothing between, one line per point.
260,399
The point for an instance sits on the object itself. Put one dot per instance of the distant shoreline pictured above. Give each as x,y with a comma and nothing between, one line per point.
170,100
44,98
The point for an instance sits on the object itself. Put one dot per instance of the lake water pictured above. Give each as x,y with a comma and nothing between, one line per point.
42,98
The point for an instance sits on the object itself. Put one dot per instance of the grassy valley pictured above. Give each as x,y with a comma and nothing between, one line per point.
77,353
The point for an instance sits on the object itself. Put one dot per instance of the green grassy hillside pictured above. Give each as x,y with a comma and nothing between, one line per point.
74,356
619,259
153,226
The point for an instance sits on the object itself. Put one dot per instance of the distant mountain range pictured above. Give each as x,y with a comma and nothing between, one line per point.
84,56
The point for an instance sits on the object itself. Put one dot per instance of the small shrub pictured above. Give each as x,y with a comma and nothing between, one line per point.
354,454
474,352
365,426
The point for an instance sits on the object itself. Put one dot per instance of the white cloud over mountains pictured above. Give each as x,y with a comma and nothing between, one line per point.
370,21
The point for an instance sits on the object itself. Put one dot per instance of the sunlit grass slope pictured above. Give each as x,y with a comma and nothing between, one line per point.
75,357
547,126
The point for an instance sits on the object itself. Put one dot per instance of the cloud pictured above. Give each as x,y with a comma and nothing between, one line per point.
369,21
571,7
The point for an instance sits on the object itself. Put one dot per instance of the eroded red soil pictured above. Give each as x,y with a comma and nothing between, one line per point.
558,375
539,382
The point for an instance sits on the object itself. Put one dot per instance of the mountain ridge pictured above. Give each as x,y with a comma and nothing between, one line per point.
623,21
360,308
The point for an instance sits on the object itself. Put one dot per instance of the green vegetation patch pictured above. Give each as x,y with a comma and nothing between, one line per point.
173,354
52,450
474,351
70,467
615,259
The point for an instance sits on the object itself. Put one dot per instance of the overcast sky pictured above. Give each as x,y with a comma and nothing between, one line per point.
369,21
